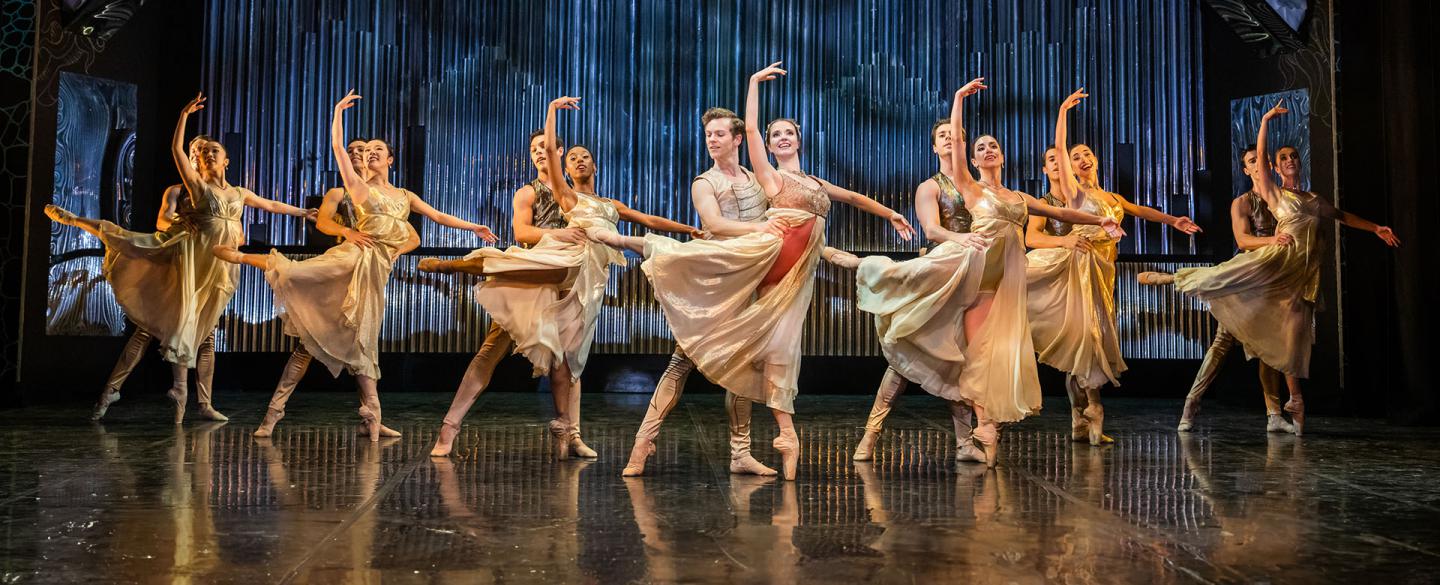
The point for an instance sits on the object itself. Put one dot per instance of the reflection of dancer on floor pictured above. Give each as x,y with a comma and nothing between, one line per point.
1071,280
554,330
168,282
1266,298
982,323
730,204
737,306
535,215
919,334
1253,227
335,302
300,358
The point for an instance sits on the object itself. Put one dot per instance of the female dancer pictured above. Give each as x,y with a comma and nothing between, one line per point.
168,282
1266,298
335,302
736,306
1071,280
999,379
552,328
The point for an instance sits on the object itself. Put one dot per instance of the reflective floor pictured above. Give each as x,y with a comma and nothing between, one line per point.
138,500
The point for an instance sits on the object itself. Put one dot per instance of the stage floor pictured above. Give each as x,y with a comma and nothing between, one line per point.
138,500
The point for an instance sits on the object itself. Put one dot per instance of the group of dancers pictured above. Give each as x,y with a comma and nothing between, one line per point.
965,320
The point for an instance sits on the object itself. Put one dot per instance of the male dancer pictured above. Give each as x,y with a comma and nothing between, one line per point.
174,203
535,214
730,204
1253,227
939,191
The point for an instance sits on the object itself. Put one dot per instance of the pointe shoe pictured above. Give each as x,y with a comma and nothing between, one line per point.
60,215
1187,416
747,465
1154,278
208,412
988,435
1079,426
578,448
179,399
1296,408
372,422
227,253
788,444
1277,424
560,434
446,441
641,451
107,398
267,426
1095,416
967,452
865,451
386,432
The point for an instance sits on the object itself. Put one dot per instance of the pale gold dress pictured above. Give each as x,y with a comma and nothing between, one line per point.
1000,372
335,302
170,283
1266,297
748,344
1072,302
549,322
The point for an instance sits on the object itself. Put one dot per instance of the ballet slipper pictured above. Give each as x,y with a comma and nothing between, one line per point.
227,253
445,442
865,451
560,433
1187,416
60,215
578,448
208,412
748,465
988,435
267,426
177,395
967,452
1277,424
1154,278
788,444
107,398
372,421
641,451
1296,407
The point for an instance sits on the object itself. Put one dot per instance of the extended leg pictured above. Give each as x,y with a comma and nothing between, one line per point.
1209,369
737,411
290,378
129,358
892,385
667,395
476,379
204,377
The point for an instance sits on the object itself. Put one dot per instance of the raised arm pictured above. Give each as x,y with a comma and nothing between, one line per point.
273,206
870,206
655,222
1067,215
1240,228
1182,223
1325,209
765,173
188,175
1068,187
964,181
1264,177
564,194
419,206
354,183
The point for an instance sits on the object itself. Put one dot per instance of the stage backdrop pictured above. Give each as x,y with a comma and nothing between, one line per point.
457,86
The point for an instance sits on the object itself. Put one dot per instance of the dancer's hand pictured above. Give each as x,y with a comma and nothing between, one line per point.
902,226
194,105
699,234
1282,239
569,235
565,103
1073,100
311,215
1112,227
768,73
971,240
1278,110
1077,243
775,226
1187,225
975,86
1388,235
348,101
358,237
484,232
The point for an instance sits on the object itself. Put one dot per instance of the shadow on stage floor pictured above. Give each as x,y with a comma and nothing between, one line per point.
137,500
